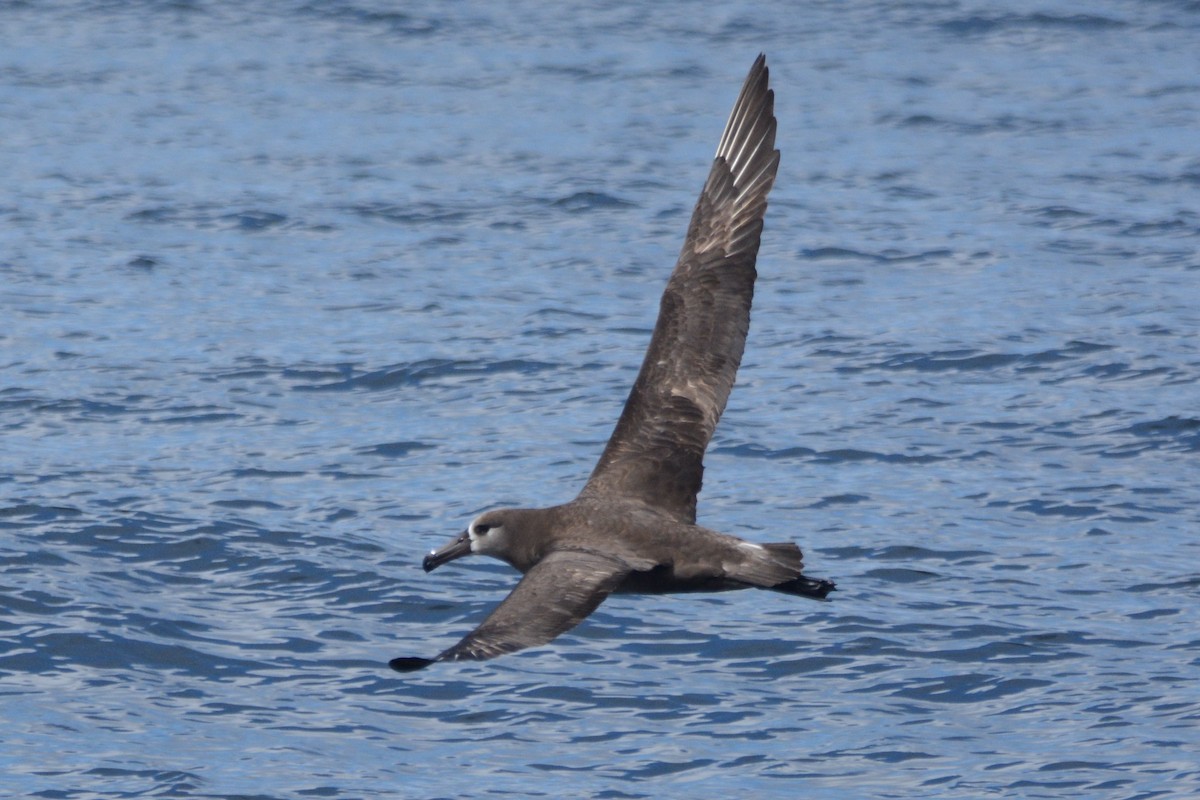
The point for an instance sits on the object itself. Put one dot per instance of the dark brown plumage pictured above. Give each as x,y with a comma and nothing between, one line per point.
632,528
657,449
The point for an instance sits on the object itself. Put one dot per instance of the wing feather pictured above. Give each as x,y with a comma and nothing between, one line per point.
656,452
554,596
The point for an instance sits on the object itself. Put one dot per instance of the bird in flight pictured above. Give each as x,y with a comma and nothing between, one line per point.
633,526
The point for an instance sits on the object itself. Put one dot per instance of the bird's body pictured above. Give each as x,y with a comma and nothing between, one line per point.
632,529
663,554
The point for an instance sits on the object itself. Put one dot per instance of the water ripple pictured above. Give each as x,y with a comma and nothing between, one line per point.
284,309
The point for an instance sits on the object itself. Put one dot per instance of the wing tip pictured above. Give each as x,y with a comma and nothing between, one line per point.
748,140
410,664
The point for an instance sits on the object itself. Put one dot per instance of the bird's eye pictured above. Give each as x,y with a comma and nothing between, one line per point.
482,529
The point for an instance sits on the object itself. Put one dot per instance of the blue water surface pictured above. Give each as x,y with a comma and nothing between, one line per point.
290,291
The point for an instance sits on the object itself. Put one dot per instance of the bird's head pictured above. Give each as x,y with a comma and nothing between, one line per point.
492,533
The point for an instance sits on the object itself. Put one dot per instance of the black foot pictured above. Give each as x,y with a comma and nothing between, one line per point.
409,664
815,588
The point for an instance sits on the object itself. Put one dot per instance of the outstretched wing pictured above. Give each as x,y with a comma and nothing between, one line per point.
657,449
554,596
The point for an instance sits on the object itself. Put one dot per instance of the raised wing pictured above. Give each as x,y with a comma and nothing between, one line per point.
554,596
657,449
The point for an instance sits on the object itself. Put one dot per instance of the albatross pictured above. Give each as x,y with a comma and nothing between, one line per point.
633,526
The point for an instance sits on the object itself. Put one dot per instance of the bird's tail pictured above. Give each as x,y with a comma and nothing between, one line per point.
788,555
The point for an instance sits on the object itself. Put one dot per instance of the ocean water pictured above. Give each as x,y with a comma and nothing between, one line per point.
290,291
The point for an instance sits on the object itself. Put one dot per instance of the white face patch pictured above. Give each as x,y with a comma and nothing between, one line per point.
487,535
